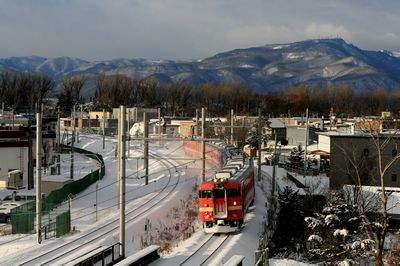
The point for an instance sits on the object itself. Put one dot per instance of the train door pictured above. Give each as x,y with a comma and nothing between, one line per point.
220,203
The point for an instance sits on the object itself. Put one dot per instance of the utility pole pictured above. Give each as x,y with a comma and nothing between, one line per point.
119,155
58,142
30,152
259,145
159,123
81,122
135,114
121,158
12,119
90,120
128,132
273,166
203,146
97,189
146,147
104,129
231,126
38,175
306,142
72,145
196,128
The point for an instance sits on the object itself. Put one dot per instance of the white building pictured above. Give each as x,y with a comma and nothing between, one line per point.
13,154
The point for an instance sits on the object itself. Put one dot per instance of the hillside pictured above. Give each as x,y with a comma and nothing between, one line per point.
266,68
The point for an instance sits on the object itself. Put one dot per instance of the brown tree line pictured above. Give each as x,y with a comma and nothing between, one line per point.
22,91
176,98
180,99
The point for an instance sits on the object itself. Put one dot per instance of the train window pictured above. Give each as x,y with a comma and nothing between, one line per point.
205,194
233,192
219,193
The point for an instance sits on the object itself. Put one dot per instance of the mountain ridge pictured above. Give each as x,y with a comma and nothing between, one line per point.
272,67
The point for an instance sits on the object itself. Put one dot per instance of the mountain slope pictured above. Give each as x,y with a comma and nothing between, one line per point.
319,62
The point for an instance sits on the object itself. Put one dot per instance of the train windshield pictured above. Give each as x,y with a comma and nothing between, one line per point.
205,194
219,193
233,192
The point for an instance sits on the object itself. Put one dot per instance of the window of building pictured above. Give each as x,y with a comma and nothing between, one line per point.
366,152
394,177
394,153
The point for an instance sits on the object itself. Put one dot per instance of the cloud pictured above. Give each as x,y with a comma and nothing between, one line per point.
252,35
186,29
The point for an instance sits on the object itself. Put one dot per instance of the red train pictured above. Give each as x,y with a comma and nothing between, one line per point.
224,201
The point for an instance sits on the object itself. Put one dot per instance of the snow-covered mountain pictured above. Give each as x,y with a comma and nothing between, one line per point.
319,62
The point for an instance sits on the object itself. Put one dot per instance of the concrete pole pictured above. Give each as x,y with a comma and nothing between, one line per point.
72,145
306,142
121,140
128,133
259,145
136,114
274,167
12,119
104,129
90,120
58,143
38,176
231,126
79,128
203,147
159,123
31,184
196,128
146,148
97,189
119,156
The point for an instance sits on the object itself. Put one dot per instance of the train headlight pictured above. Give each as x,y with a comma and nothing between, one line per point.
234,203
205,205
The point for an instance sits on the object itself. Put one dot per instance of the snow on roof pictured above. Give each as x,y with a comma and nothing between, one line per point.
316,185
372,194
276,123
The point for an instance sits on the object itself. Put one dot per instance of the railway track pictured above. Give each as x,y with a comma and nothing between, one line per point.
53,255
205,252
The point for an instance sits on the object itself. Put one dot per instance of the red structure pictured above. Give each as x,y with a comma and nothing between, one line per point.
224,200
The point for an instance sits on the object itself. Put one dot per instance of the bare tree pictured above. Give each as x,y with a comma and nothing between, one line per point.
384,147
71,92
42,86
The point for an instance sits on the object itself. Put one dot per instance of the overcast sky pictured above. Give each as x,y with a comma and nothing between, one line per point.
187,29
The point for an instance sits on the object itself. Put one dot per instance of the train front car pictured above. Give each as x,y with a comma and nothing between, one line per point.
220,206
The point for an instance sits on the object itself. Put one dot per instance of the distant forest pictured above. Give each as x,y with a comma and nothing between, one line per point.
22,91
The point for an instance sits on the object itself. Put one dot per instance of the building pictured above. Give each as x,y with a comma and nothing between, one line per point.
348,151
13,154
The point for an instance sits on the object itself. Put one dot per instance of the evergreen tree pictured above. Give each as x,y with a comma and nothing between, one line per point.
296,157
334,234
290,228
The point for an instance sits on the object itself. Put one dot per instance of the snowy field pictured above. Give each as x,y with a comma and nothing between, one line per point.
180,177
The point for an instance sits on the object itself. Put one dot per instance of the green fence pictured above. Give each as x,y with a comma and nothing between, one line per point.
23,217
63,223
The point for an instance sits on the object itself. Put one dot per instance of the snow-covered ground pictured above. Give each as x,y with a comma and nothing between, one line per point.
166,214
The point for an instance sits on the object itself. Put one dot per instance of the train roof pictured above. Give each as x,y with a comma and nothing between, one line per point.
237,168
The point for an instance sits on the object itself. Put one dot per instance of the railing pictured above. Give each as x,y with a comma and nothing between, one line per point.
300,170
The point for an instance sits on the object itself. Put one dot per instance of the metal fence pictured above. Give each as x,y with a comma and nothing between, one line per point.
23,217
63,223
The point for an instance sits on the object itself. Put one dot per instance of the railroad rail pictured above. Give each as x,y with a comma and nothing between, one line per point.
101,231
200,256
